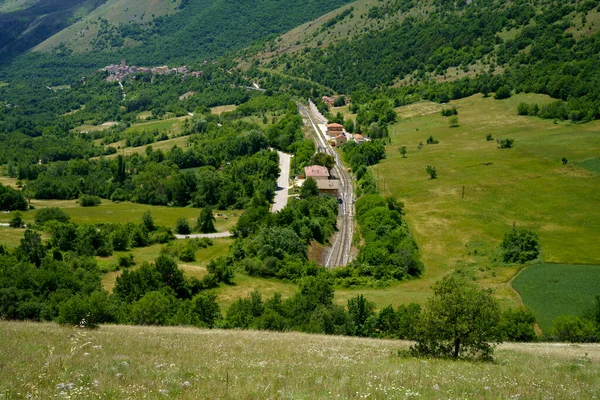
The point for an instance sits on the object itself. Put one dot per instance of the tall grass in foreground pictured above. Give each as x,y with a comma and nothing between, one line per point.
45,360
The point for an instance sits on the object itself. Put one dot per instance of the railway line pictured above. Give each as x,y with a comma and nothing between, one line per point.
340,252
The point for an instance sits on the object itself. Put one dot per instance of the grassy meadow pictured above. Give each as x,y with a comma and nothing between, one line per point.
46,360
551,290
526,185
109,212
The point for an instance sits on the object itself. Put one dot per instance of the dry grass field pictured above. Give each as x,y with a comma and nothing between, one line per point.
115,362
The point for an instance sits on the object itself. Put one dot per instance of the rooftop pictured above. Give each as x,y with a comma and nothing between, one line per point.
330,184
316,170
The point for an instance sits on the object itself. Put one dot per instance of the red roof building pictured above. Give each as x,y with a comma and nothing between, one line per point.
316,172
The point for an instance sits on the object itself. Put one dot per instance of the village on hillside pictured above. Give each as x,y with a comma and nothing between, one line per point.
118,72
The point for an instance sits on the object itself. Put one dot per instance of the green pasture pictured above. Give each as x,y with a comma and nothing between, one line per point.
171,125
109,212
527,185
551,290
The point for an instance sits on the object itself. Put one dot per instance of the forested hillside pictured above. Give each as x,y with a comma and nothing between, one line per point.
25,24
543,47
196,30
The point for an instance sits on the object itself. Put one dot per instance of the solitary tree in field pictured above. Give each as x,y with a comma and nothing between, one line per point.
206,221
520,246
460,320
453,121
432,172
403,151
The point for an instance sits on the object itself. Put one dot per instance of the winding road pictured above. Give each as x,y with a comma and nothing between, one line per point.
340,252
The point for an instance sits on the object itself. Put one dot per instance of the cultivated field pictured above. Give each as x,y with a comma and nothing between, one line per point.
526,185
551,290
46,360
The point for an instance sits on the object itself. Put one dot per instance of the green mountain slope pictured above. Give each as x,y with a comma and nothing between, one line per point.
24,24
545,47
200,30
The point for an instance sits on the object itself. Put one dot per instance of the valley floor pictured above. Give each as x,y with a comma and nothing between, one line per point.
43,360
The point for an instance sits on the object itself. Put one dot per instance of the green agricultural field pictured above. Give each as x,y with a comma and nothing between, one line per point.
109,212
114,362
526,185
593,164
551,290
171,125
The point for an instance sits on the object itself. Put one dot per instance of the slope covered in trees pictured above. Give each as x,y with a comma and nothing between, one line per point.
543,47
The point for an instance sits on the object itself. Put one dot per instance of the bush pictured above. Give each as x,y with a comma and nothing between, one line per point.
11,199
126,260
503,92
520,246
182,226
51,214
568,328
518,325
154,308
432,172
86,200
17,220
489,137
505,143
431,140
448,112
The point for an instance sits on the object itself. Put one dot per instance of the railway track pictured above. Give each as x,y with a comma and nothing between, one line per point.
340,251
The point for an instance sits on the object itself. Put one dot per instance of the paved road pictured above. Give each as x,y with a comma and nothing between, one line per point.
339,253
205,235
283,182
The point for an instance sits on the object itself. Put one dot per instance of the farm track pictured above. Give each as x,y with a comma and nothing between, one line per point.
340,252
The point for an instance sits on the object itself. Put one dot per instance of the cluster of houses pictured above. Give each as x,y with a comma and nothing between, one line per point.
338,136
118,72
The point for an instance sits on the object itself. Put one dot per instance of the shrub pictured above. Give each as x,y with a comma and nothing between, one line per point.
431,140
12,199
523,109
505,143
569,328
448,112
518,325
17,220
86,200
489,137
51,214
182,226
520,246
503,92
432,172
126,260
